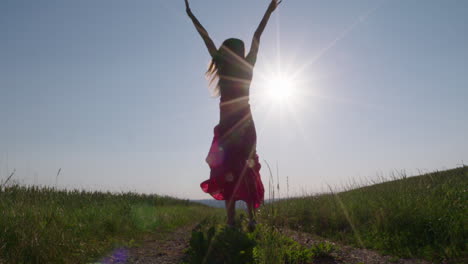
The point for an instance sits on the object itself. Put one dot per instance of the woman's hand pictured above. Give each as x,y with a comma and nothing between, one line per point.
201,30
252,55
187,7
273,5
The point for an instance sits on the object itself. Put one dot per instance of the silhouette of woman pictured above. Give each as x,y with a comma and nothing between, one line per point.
235,169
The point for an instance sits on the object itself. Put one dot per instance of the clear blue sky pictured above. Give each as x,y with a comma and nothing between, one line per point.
113,91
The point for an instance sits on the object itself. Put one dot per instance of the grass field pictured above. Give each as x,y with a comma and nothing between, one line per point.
423,216
44,225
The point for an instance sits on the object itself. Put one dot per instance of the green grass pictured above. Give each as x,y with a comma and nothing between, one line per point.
423,216
44,225
214,243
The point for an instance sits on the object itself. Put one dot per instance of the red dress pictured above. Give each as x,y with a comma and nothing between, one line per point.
233,160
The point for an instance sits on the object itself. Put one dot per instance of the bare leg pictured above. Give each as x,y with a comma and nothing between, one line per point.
230,212
251,212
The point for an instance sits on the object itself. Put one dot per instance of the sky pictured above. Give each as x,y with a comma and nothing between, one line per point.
113,92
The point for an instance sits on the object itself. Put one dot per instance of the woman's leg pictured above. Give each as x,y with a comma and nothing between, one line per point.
230,212
250,211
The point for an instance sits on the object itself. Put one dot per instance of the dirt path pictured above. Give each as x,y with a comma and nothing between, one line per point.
154,249
171,250
347,254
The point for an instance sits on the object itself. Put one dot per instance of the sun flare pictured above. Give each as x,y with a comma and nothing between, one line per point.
280,88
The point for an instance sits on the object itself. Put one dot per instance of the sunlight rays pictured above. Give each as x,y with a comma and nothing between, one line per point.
280,88
360,19
281,92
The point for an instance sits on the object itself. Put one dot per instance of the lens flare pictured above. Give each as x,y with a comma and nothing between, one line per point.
280,88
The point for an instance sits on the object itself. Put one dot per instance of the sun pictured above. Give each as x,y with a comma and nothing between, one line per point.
280,88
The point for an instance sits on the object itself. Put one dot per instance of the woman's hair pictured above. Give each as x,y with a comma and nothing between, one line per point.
221,64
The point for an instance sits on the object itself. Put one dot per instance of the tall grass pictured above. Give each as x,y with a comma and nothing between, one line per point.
423,216
212,243
45,225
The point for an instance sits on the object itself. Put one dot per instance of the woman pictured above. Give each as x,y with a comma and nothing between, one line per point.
232,157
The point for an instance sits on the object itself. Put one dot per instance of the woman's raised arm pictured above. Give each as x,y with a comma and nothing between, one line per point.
201,30
252,56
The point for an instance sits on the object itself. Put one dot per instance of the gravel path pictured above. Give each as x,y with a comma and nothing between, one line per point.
154,250
171,250
347,254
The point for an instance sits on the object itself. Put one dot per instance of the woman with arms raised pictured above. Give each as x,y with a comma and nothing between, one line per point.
235,169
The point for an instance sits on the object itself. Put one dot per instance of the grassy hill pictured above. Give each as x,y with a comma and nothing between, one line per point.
423,216
45,225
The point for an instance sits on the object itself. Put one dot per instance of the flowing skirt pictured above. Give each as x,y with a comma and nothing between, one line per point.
235,169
